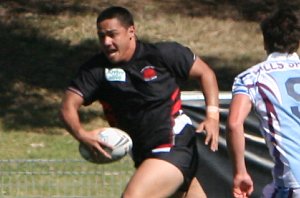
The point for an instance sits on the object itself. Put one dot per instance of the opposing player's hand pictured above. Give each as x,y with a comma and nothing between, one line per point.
210,126
242,186
92,140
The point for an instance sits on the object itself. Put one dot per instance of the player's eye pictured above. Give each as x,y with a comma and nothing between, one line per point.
101,35
112,34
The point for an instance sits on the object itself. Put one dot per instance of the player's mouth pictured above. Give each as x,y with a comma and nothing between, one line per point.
110,53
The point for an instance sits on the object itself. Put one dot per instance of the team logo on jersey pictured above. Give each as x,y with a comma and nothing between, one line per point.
149,73
115,74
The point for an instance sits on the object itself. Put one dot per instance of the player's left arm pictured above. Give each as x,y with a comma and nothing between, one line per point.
239,109
208,82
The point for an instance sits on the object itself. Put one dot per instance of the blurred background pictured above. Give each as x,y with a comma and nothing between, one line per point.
43,43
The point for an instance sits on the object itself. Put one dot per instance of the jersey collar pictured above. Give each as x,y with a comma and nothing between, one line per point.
282,56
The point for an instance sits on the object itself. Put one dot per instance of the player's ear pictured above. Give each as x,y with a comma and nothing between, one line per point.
266,48
131,31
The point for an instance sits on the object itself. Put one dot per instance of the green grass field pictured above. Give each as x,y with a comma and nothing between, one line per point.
63,178
44,42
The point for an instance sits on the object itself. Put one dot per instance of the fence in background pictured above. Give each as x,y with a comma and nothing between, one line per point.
63,178
215,168
80,179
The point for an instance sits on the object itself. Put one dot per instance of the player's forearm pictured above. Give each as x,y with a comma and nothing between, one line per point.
211,92
236,147
239,109
70,118
70,106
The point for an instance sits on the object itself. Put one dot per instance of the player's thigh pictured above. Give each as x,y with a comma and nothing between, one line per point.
154,178
195,190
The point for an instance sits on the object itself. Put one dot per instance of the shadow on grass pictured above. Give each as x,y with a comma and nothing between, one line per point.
35,70
253,10
50,7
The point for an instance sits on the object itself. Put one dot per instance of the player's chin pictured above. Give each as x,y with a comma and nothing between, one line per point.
113,57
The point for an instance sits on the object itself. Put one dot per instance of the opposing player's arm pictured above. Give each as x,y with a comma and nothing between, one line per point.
208,82
240,107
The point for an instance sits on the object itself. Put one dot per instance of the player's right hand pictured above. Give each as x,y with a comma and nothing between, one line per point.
242,186
92,140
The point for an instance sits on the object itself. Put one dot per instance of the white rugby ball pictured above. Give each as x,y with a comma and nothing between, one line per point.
118,139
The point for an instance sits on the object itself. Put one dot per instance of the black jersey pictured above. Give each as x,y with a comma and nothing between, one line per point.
142,96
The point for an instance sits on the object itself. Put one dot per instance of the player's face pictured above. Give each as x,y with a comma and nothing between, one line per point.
116,41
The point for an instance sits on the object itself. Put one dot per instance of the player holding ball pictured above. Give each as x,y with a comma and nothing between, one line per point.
136,83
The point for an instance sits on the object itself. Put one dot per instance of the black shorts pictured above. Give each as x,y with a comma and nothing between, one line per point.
183,155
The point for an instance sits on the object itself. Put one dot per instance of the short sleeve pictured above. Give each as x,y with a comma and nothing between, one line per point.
87,81
239,86
177,58
245,83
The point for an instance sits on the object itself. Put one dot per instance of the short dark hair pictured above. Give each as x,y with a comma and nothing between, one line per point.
122,14
281,31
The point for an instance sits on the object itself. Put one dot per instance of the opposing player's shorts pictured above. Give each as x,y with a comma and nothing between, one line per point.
272,191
